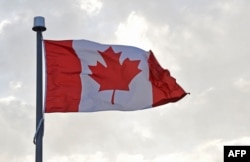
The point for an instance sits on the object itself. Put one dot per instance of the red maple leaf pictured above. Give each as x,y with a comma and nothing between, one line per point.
114,76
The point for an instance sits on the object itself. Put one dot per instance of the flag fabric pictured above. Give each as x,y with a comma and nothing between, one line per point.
85,76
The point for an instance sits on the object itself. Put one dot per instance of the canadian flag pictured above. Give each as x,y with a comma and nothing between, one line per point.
85,76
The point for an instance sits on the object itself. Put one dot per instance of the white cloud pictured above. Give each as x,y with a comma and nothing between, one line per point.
207,151
17,122
3,23
133,31
28,158
144,132
242,84
15,85
11,99
96,157
129,158
202,98
229,7
238,141
138,31
92,7
7,100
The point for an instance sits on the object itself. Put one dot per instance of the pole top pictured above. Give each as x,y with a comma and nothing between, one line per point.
39,24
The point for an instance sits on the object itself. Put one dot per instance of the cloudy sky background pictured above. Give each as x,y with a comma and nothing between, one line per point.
205,45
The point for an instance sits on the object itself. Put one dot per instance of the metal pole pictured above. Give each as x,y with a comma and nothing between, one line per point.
39,27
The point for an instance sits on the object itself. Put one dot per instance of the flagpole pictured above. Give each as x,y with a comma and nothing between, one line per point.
39,27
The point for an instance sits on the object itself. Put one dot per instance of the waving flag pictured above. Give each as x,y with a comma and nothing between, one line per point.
85,76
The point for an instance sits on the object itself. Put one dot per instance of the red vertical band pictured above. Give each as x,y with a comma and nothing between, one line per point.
63,68
164,87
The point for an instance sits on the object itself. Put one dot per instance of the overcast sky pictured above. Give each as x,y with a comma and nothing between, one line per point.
204,44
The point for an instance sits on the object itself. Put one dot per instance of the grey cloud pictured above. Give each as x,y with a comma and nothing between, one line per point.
207,40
